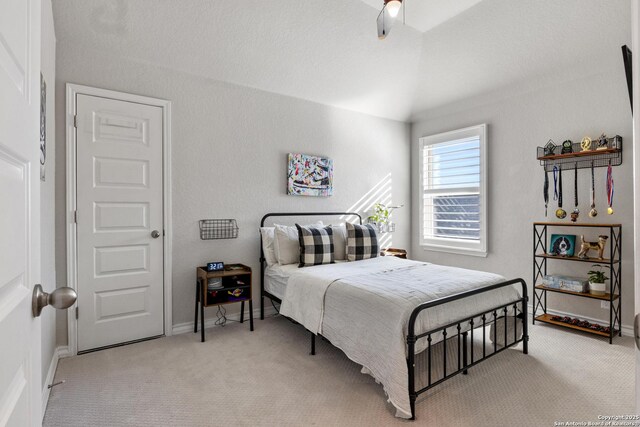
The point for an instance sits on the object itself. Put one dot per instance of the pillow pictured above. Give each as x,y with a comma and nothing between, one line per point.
316,245
339,241
268,237
287,243
362,242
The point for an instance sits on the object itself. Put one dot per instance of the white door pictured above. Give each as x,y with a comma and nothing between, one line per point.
635,46
119,221
20,376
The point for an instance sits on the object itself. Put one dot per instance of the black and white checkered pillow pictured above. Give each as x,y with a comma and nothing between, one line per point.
316,245
362,242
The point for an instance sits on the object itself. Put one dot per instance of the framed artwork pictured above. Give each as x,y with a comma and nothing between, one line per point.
43,126
562,244
309,175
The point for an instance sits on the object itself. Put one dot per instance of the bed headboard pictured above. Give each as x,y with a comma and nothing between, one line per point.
345,215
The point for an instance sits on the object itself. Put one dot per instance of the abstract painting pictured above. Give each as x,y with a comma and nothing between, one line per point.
309,175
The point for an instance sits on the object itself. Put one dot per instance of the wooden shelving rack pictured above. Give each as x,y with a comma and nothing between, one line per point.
613,262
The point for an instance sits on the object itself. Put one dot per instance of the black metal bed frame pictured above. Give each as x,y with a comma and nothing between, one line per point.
486,318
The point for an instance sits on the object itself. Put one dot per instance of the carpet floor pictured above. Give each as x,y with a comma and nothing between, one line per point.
267,378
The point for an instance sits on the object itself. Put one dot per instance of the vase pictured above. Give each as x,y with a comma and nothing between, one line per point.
597,288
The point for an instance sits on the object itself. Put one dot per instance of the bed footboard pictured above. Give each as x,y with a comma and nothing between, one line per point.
461,332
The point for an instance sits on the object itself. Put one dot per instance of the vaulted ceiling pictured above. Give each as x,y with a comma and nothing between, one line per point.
327,51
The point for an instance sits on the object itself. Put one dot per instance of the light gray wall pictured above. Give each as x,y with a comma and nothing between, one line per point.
47,189
229,159
587,102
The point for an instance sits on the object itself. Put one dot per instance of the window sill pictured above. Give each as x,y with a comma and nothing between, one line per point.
454,250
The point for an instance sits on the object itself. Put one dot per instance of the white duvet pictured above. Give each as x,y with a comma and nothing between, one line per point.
363,308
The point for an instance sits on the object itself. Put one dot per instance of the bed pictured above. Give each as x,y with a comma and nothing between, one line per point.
411,325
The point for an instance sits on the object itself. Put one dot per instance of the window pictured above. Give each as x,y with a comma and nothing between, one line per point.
453,191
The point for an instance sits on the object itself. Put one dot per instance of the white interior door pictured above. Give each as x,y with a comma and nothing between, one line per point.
119,221
20,376
635,43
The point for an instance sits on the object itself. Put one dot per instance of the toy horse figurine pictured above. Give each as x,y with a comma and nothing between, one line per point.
585,247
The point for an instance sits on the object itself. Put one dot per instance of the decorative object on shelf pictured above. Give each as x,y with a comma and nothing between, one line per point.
599,246
603,142
215,266
610,189
309,175
593,212
581,323
596,280
560,213
550,148
396,252
562,244
567,147
214,283
585,144
380,217
211,229
569,283
545,192
576,211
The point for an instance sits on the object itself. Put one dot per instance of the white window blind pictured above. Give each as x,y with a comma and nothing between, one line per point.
453,191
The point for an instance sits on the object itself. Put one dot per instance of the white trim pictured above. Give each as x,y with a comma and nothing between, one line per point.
627,330
457,247
183,328
72,277
58,353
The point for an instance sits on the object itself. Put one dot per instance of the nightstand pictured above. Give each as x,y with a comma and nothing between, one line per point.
399,253
233,285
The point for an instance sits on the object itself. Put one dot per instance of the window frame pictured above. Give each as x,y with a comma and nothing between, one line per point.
451,245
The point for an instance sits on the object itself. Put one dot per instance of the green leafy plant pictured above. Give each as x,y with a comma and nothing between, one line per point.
597,276
380,214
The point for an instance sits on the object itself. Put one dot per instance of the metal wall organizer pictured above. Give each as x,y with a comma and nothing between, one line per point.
583,159
211,229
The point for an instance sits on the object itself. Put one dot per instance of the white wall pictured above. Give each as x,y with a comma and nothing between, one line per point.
229,159
47,189
519,121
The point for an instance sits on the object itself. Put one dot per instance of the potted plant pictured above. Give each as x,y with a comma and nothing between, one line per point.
596,280
380,217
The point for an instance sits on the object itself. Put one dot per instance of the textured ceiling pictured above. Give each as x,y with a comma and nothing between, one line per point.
423,15
327,51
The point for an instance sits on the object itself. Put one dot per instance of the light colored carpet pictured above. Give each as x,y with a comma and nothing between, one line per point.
267,378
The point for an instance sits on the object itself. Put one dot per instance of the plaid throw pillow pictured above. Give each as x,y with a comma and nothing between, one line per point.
316,245
362,242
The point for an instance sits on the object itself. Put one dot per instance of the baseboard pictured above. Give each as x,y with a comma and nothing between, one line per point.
182,328
59,353
627,330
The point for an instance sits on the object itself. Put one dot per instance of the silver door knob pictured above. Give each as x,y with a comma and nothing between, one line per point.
155,234
61,298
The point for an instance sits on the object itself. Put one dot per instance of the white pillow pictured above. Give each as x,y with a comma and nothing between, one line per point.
287,243
268,237
339,241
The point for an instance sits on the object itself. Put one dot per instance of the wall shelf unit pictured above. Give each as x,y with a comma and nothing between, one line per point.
613,263
583,159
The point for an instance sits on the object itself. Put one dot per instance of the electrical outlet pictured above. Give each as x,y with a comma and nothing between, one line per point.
605,304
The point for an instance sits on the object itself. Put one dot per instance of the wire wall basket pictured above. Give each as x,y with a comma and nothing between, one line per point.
611,154
211,229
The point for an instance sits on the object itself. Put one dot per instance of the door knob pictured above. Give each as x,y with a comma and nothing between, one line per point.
155,234
636,330
61,298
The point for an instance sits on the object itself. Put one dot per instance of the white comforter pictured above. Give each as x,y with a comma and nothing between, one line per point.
363,308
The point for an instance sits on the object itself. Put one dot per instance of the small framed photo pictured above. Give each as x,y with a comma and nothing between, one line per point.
562,244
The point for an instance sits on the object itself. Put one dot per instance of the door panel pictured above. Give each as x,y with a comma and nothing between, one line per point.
20,376
119,203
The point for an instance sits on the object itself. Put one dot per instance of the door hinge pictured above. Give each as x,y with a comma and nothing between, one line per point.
76,312
75,121
75,217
